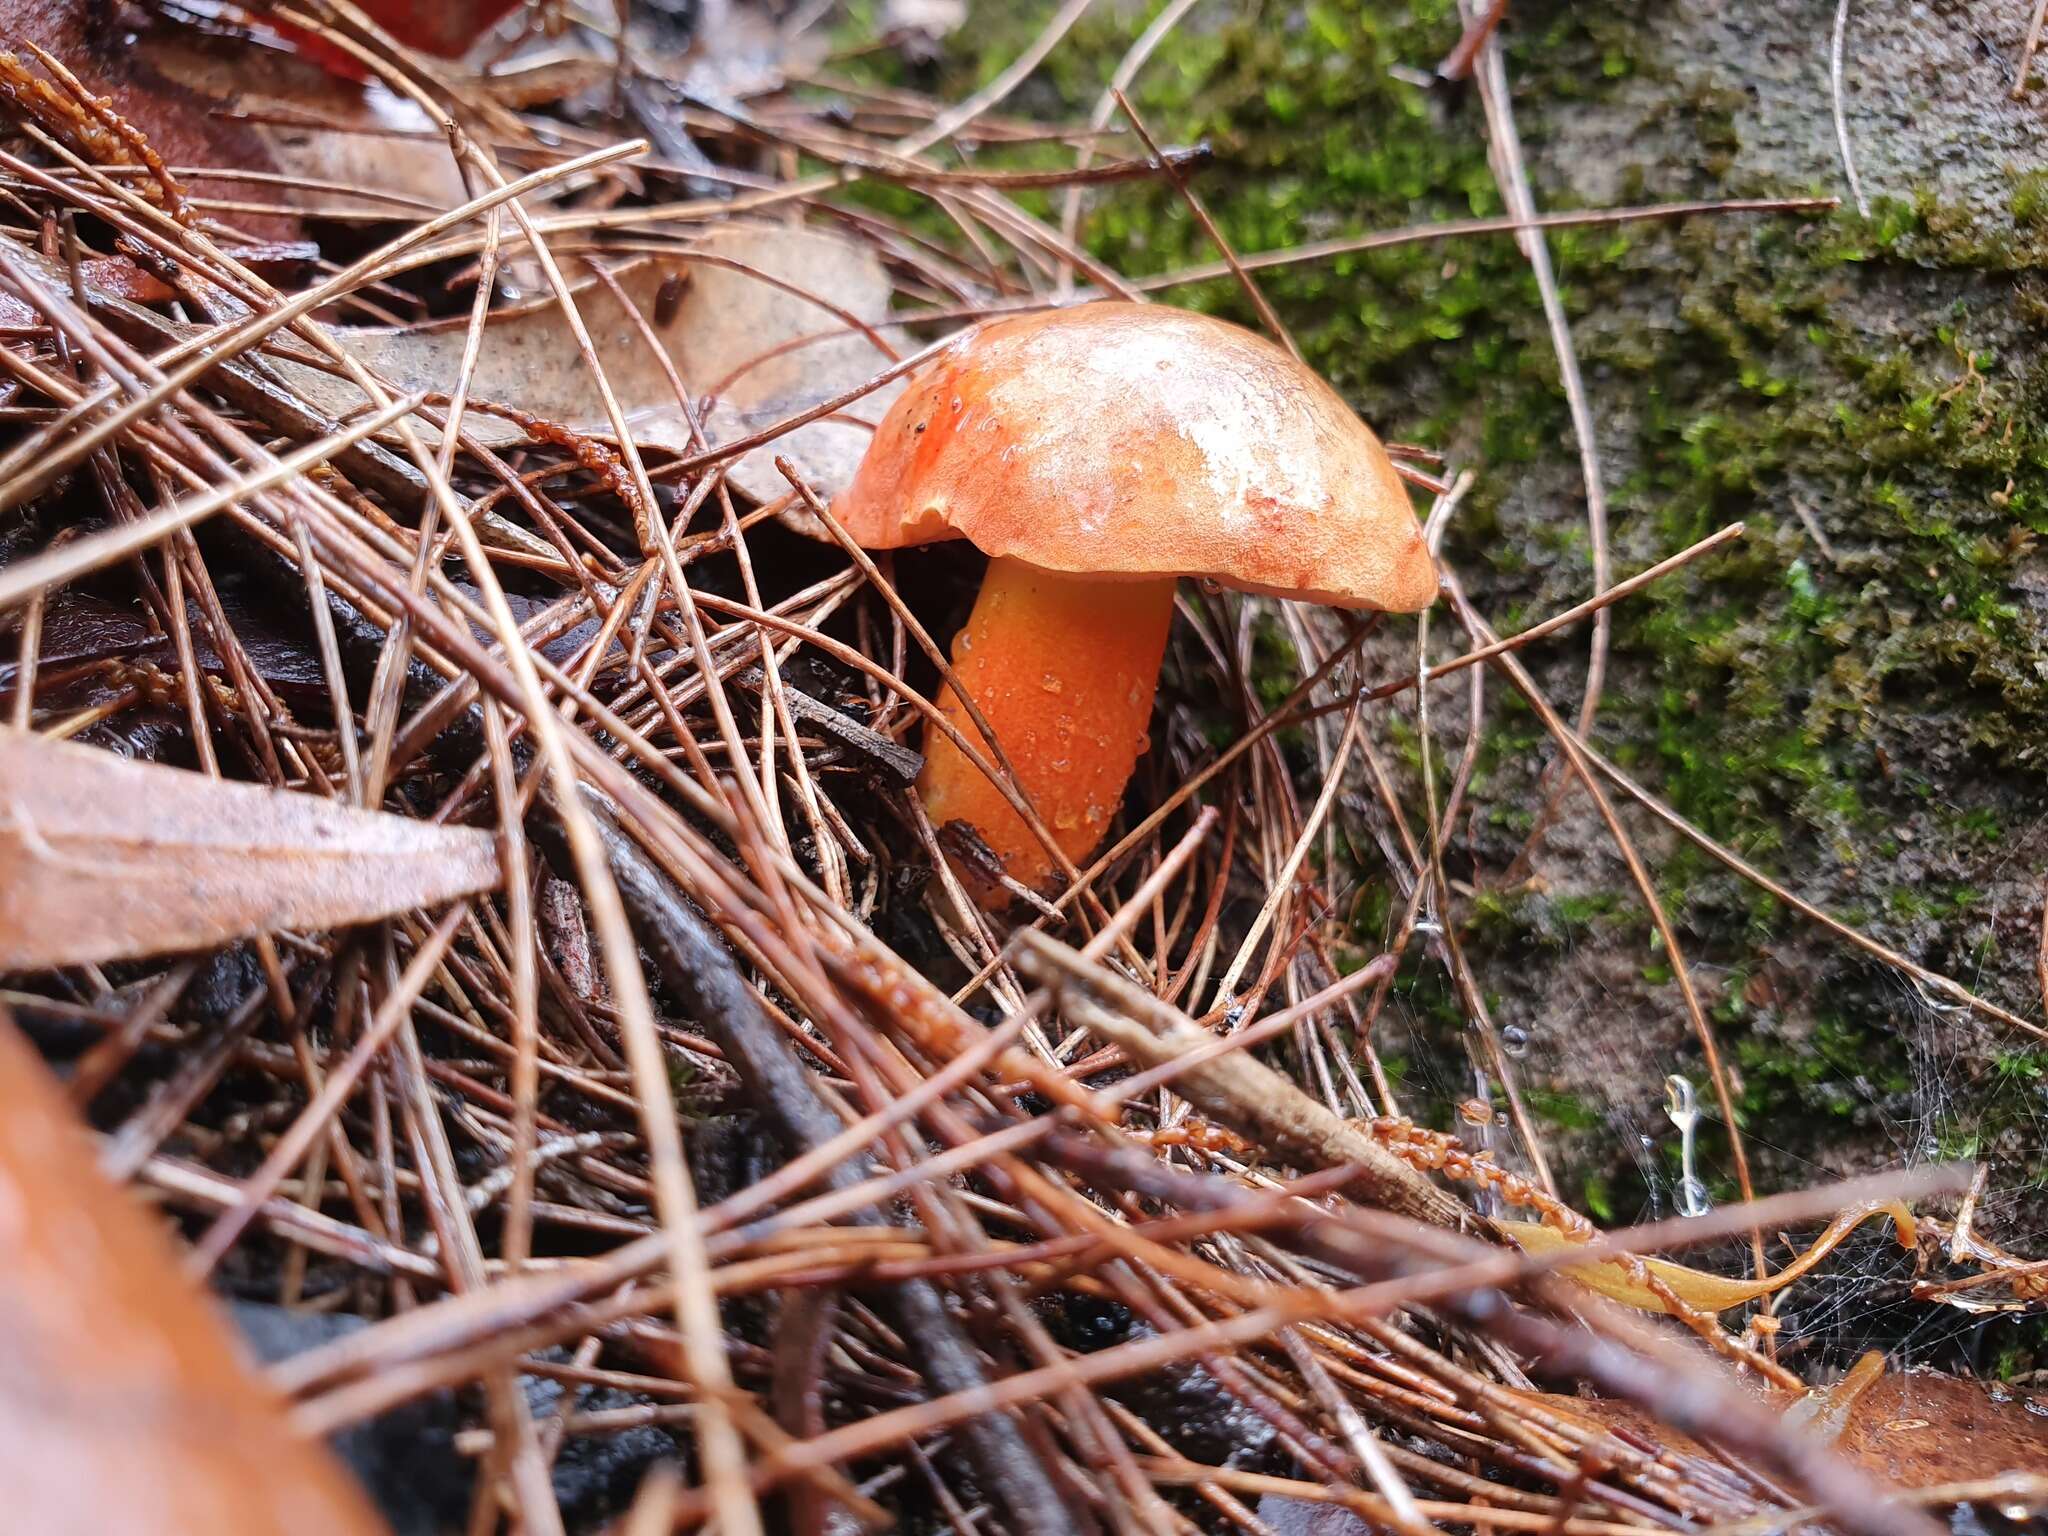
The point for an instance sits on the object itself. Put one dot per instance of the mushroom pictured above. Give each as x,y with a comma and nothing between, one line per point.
1097,454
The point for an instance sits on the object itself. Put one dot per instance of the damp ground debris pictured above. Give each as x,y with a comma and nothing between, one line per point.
462,871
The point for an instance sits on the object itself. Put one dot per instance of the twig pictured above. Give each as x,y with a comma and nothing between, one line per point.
1126,71
1454,229
1835,50
2027,51
1267,315
1576,757
1513,178
951,121
1457,64
1239,1091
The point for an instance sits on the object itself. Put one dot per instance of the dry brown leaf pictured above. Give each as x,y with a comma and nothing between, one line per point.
124,1403
725,338
111,49
1914,1428
102,858
730,318
380,141
230,103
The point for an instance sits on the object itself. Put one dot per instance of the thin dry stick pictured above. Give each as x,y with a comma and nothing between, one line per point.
1835,52
1239,1091
1513,178
34,464
696,1310
341,1082
1479,30
2041,953
25,668
1282,882
1490,1061
1268,317
2027,52
1120,80
1947,986
55,567
950,122
1570,616
1703,1029
1451,229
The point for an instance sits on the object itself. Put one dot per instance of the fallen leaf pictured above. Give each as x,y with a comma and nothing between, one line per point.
730,320
313,126
106,859
111,48
735,335
115,275
447,30
230,103
1916,1429
124,1403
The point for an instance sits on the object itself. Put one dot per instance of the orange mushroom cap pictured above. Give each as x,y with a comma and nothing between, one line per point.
1127,443
1118,441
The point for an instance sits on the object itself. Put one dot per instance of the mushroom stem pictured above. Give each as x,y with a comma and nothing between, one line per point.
1064,669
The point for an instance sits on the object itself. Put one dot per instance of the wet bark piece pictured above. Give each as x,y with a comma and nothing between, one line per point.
124,1401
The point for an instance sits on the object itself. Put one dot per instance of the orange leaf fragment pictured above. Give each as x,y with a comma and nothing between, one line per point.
124,1402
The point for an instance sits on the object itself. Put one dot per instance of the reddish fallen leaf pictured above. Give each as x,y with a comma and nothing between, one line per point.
108,47
1923,1428
106,859
118,277
110,274
124,1403
1914,1429
229,102
447,28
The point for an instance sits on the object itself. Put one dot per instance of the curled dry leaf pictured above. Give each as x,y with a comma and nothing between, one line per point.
763,352
110,1358
106,859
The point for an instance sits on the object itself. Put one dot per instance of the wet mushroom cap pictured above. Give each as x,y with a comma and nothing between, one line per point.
1131,442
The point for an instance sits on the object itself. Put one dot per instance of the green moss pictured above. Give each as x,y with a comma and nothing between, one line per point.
1276,664
1847,1068
1564,1110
